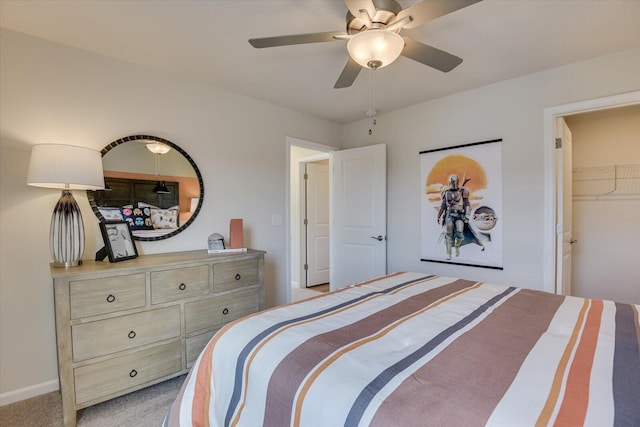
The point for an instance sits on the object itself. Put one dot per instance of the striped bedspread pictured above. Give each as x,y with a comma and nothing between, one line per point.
410,349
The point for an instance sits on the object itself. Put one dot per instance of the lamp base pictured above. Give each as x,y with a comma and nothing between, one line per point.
66,264
66,236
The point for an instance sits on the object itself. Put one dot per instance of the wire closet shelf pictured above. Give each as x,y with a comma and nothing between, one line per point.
610,181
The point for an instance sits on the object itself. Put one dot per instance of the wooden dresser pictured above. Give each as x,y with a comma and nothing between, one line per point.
126,325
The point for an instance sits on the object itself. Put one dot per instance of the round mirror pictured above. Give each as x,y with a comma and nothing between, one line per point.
152,184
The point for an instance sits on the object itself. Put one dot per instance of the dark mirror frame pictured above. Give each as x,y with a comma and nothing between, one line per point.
114,144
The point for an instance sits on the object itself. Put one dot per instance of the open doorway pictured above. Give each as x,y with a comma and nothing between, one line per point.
557,186
314,232
605,203
301,154
358,210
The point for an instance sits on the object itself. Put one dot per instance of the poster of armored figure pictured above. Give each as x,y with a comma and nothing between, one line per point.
461,202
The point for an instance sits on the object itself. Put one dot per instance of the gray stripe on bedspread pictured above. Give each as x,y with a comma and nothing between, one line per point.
463,384
371,390
246,351
626,369
294,368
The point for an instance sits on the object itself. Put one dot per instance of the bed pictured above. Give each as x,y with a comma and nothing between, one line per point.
410,349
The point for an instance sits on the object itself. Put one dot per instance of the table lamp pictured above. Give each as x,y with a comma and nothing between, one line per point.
66,167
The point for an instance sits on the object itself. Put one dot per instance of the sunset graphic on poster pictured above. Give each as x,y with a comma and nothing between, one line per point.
466,169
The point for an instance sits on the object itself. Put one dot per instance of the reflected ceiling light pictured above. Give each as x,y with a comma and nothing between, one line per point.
158,147
375,48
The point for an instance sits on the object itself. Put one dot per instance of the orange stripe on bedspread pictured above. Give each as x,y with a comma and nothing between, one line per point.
556,385
241,406
464,382
576,395
315,373
202,396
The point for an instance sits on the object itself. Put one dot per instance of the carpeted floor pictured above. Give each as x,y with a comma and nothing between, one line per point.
298,294
143,408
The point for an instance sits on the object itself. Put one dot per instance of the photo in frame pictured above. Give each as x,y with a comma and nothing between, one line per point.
118,240
461,204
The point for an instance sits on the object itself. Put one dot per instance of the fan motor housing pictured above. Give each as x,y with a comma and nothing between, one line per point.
386,10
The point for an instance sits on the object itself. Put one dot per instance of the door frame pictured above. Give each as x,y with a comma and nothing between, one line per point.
551,281
320,148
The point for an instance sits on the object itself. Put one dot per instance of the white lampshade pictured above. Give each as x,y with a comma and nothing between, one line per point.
375,48
65,167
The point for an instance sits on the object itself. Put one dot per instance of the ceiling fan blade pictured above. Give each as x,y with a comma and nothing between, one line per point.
428,10
296,39
429,55
357,6
348,75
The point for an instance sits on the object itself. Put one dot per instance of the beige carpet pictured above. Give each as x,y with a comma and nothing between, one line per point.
144,408
299,294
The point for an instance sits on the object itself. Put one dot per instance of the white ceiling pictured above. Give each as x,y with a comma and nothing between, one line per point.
206,41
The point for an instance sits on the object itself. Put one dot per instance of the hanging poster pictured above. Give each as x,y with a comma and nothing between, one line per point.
461,202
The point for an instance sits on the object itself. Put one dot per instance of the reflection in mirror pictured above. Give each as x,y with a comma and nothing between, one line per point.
154,185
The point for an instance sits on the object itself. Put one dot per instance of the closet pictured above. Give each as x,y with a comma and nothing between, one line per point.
606,204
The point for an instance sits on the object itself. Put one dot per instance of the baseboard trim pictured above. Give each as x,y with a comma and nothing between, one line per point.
29,392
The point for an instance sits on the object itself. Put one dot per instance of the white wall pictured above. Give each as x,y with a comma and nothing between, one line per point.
605,257
52,93
512,110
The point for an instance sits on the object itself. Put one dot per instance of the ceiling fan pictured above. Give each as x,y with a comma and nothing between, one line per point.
373,38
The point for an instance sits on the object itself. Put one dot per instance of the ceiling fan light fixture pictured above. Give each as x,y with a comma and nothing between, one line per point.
158,147
375,48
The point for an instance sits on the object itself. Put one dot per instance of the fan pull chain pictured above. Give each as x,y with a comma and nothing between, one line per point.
371,112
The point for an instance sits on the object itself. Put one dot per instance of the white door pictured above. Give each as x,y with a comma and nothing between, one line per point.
317,222
358,215
564,237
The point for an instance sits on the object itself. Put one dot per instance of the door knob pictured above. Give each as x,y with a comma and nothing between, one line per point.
379,238
572,241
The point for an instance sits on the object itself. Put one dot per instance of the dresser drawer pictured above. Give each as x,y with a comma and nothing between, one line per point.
195,345
235,274
105,295
121,333
124,372
171,285
216,311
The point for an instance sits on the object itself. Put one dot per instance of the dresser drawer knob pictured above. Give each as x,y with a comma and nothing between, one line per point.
238,276
111,298
225,311
133,373
182,286
132,334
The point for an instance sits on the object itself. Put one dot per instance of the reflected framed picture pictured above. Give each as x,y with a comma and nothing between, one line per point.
118,240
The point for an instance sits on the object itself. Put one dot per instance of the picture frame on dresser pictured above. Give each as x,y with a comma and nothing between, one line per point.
118,240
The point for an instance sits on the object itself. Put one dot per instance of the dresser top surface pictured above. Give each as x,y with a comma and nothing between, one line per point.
148,261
